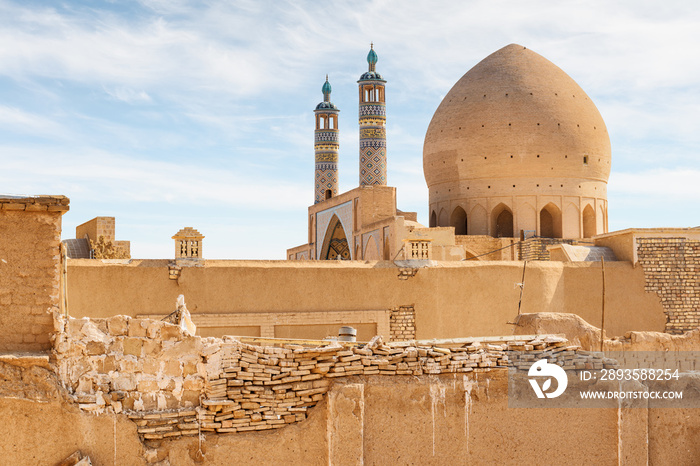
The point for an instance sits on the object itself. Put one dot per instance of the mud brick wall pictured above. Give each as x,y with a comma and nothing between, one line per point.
30,238
671,270
402,323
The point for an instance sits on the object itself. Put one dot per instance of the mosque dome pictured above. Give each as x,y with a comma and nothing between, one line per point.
517,134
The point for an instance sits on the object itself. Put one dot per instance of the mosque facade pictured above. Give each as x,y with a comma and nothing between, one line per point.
515,150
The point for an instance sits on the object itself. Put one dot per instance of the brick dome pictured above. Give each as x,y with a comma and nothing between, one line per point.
517,135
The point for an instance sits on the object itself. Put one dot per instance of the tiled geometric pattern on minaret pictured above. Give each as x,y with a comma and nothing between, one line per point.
372,119
326,147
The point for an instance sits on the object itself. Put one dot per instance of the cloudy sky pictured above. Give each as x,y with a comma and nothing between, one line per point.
173,113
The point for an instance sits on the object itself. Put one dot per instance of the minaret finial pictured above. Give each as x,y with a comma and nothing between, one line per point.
371,57
326,89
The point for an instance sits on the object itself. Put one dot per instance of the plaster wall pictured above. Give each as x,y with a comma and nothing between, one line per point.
405,420
452,299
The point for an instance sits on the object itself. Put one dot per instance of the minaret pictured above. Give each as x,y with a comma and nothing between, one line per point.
326,146
372,125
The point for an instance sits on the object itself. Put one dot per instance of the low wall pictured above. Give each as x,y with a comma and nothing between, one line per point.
451,299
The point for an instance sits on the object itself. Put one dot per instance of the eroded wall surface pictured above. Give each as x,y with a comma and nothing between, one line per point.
405,403
671,268
30,237
450,300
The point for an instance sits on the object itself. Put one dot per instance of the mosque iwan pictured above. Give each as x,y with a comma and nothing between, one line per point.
379,340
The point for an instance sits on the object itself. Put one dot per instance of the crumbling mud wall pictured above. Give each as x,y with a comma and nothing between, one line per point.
30,239
116,389
173,384
581,333
671,270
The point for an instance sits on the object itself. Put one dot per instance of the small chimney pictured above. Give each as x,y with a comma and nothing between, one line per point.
347,334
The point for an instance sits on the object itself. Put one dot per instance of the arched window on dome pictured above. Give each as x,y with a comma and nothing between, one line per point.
433,220
502,222
589,229
550,221
459,221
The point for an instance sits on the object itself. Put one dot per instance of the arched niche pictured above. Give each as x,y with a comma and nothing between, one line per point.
589,222
459,221
478,218
433,220
442,219
601,221
571,221
550,221
502,222
371,249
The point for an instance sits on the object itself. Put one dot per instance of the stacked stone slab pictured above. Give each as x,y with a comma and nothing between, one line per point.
173,385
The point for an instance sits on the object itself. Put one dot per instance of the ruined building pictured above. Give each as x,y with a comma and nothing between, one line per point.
99,362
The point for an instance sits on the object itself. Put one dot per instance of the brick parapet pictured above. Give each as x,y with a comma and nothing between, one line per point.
671,269
35,203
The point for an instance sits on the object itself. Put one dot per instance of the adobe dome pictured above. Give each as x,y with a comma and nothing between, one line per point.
517,135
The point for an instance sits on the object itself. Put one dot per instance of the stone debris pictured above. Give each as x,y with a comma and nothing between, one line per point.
76,459
172,384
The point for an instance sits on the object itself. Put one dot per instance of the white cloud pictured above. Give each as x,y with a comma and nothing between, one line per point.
678,184
19,121
130,96
116,177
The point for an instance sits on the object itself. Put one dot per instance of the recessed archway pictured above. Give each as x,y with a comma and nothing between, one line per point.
433,220
550,221
589,226
459,221
502,222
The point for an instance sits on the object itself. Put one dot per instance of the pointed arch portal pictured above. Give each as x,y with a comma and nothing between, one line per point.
335,245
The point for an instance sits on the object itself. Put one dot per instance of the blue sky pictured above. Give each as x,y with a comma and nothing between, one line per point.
174,113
